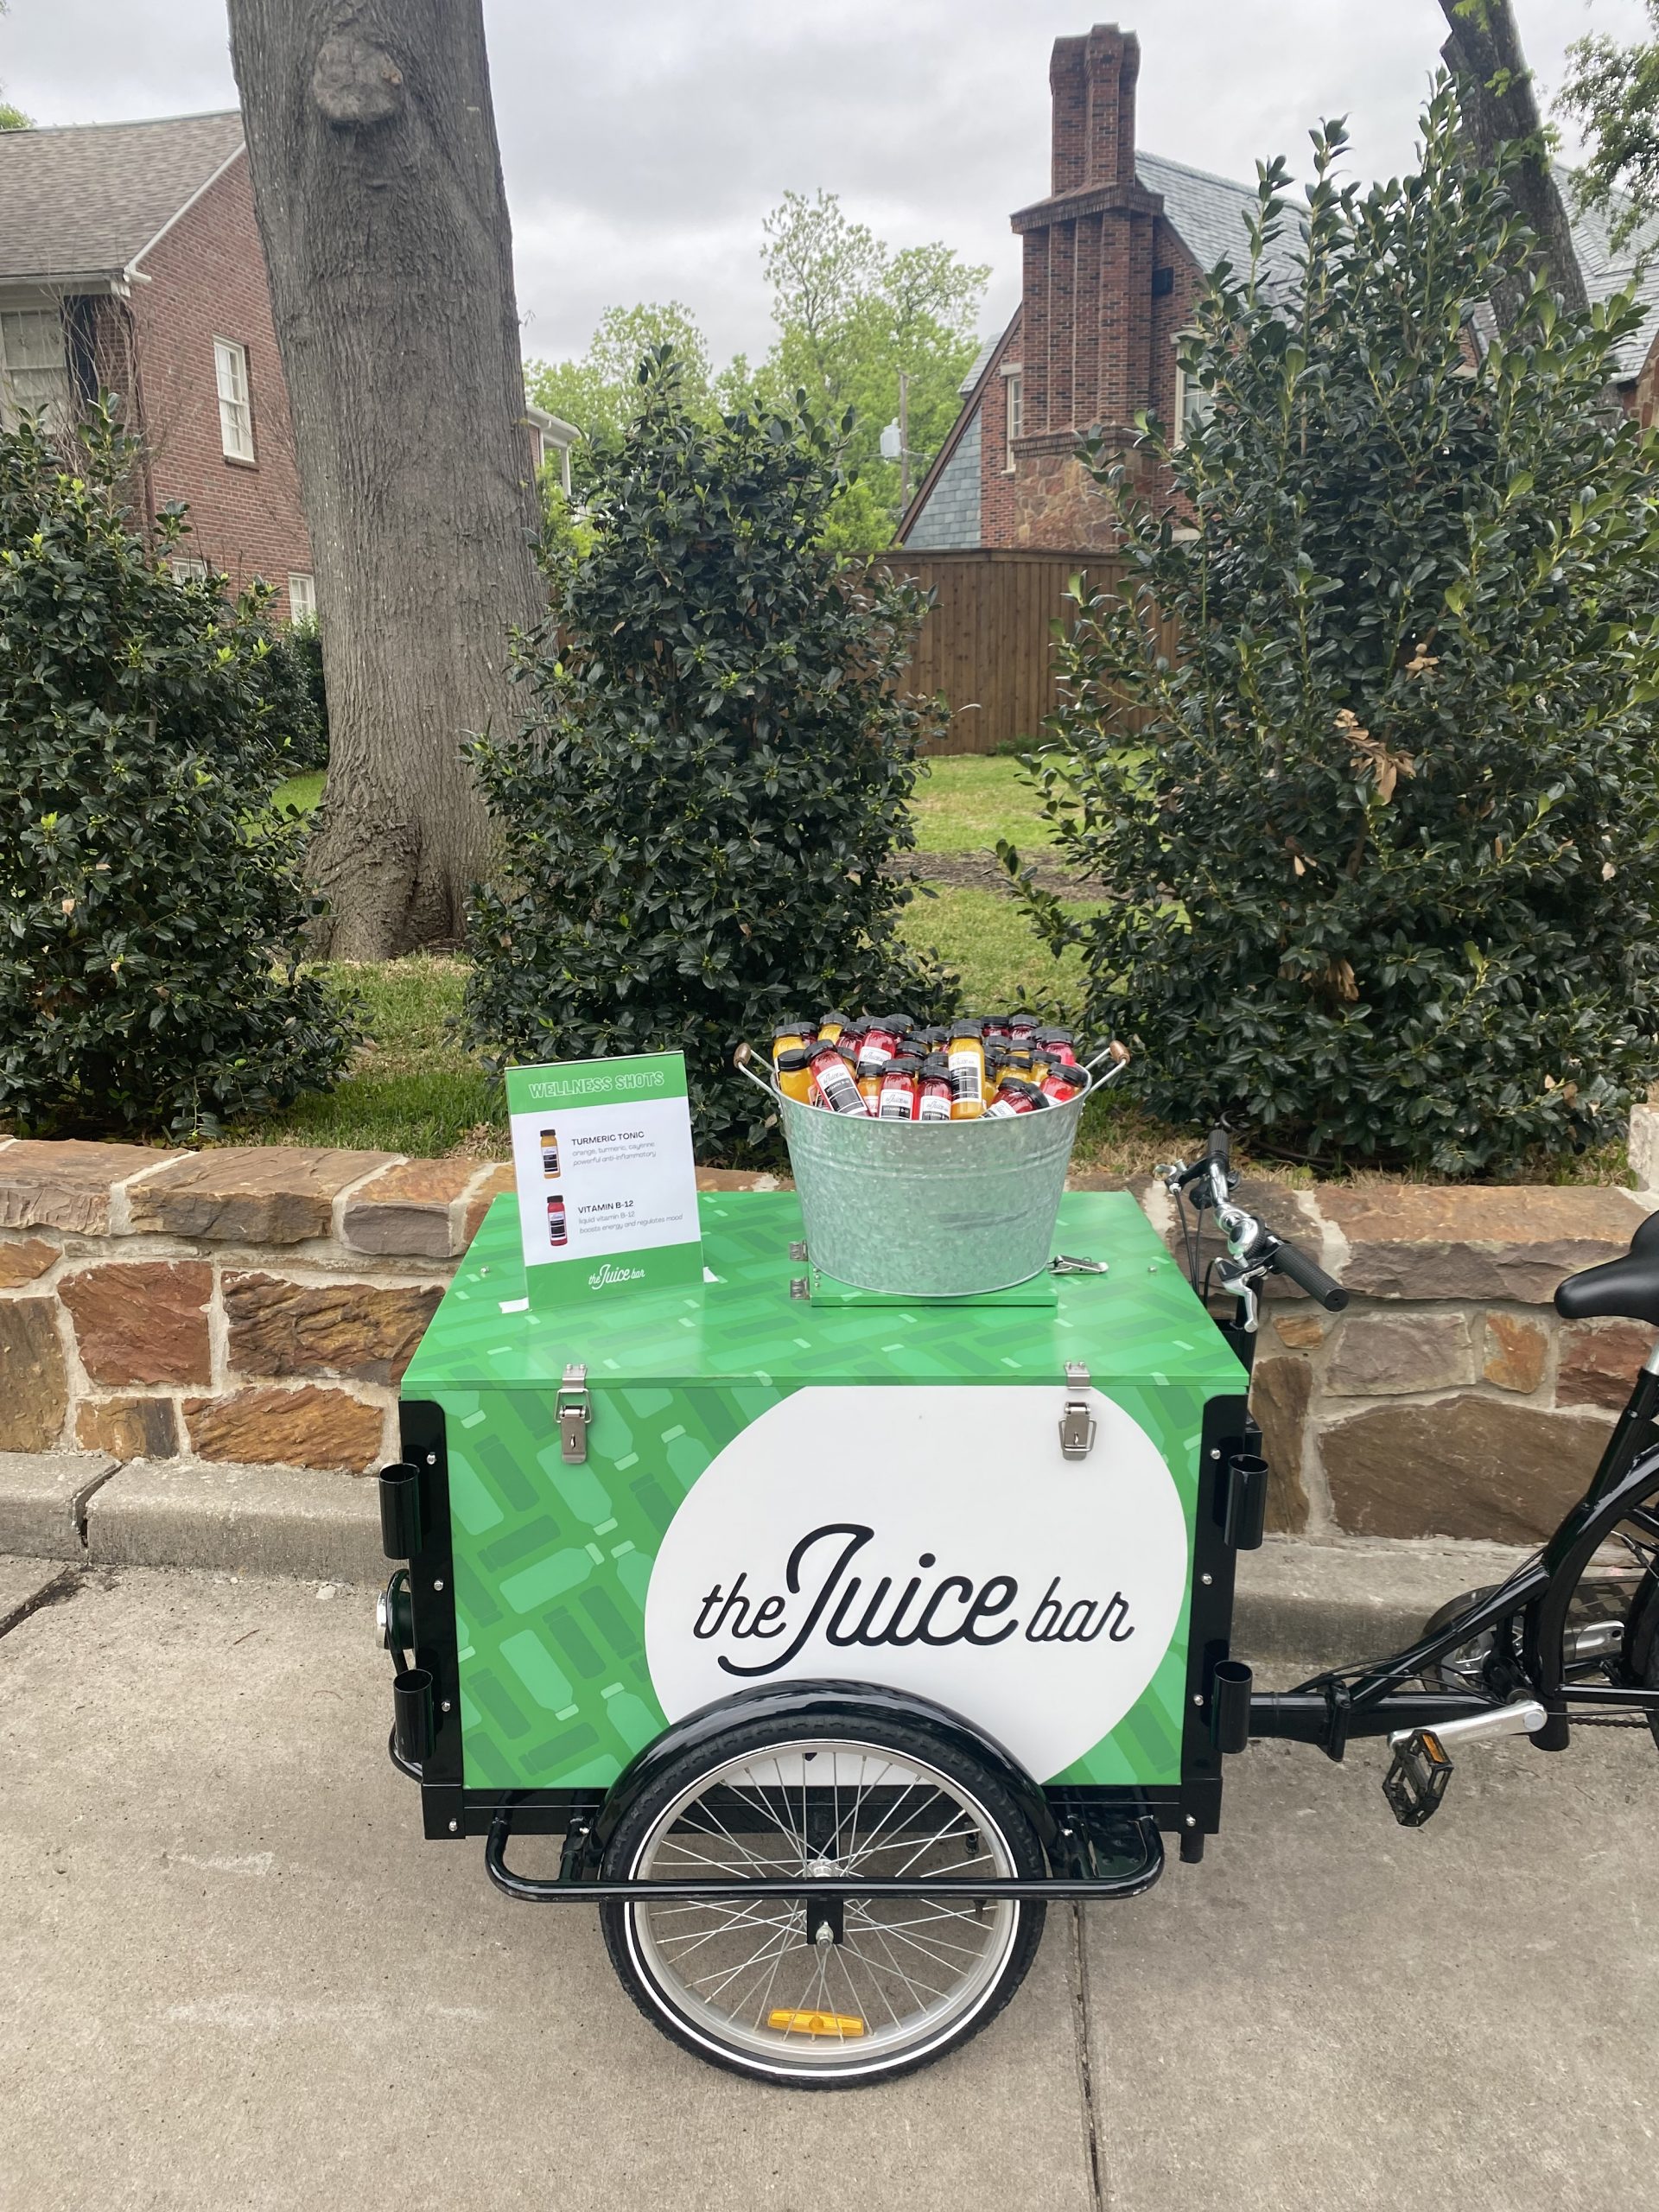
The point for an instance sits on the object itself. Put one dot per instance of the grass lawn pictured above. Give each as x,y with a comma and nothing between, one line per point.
967,800
990,944
300,794
411,1087
962,804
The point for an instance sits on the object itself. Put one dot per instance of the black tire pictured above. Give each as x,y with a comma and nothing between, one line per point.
999,1824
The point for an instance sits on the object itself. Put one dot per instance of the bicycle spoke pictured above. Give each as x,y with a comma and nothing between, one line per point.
734,1964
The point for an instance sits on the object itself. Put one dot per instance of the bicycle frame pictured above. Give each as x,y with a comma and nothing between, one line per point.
1331,1708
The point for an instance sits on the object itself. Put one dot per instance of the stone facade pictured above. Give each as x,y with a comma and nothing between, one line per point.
259,1304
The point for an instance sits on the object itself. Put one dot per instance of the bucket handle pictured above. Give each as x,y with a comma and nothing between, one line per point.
1116,1051
740,1060
1118,1054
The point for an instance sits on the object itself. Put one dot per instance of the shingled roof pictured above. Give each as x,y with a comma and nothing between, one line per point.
84,201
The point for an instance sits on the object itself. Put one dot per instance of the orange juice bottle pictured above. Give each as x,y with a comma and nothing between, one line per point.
967,1063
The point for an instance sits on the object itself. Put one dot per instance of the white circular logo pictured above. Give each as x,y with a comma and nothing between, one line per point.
930,1540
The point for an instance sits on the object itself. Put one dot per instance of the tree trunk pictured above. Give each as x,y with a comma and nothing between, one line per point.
377,180
1484,53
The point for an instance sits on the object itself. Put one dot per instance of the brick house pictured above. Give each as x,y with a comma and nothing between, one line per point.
130,261
1114,259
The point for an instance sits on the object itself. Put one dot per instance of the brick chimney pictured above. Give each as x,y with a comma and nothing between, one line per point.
1092,80
1086,321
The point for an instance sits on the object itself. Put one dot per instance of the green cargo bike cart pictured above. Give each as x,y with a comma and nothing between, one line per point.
835,1633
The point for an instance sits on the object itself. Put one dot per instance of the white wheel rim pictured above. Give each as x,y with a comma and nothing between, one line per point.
913,1970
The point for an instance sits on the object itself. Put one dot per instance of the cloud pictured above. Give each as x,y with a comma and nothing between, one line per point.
643,142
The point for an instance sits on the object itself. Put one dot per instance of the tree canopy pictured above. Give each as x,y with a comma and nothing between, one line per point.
850,313
1613,93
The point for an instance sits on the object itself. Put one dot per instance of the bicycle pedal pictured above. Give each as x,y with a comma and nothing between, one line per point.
1415,1782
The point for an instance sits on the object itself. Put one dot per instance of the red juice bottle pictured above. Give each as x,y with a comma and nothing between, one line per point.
833,1079
899,1089
934,1103
1016,1098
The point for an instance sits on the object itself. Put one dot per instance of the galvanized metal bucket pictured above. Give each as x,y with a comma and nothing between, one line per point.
929,1208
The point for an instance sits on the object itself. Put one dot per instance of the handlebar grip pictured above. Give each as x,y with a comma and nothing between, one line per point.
1320,1287
1220,1146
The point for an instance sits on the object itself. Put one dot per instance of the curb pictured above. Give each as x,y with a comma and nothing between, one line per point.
1330,1602
92,1511
1344,1601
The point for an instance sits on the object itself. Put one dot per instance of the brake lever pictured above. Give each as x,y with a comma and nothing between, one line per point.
1238,1277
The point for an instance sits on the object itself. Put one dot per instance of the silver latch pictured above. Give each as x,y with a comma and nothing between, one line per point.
1076,1422
573,1409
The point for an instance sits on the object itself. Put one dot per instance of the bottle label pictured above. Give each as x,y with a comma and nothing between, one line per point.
1007,1106
936,1104
895,1103
967,1075
837,1085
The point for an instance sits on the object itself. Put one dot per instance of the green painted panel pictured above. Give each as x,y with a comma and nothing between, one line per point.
1140,1323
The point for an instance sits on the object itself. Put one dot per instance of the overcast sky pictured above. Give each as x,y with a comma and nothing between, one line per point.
644,140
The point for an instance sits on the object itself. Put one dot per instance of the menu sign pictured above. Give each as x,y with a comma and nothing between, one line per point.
608,1188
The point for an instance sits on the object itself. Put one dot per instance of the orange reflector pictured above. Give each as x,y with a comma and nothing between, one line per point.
816,2023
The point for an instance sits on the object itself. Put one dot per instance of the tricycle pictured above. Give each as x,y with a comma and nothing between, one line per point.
836,1634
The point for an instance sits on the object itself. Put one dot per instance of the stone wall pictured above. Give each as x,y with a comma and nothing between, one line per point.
259,1305
1448,1400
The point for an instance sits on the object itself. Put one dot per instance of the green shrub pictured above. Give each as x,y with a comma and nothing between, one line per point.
148,889
291,687
1384,834
694,819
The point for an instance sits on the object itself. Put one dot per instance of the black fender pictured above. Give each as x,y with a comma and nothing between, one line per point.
786,1702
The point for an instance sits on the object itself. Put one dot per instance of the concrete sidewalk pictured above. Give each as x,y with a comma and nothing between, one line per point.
238,1978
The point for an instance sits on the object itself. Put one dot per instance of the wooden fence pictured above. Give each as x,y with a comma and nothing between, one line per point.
986,644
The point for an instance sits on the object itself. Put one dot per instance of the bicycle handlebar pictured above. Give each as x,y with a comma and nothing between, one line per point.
1286,1260
1220,1148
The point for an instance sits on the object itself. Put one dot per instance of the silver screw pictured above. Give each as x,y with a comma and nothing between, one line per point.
1215,1454
431,1458
1205,1579
1191,1821
1197,1700
455,1827
438,1585
444,1707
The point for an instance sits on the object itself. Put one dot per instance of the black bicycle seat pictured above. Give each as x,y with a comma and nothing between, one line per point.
1626,1289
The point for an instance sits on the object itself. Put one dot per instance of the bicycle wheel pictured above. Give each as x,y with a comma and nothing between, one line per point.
900,1982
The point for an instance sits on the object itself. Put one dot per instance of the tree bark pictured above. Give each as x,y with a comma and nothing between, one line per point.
1484,50
377,182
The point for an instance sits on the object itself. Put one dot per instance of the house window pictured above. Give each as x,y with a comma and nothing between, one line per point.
302,598
1193,405
1016,406
189,572
34,369
235,409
